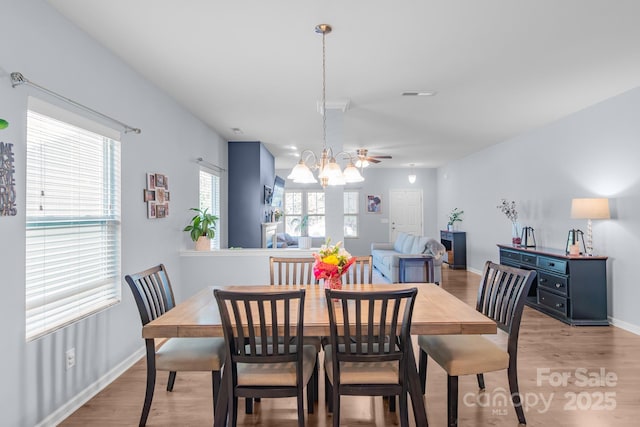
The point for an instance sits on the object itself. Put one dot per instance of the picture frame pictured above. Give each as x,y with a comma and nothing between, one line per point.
151,181
148,195
268,195
374,202
151,210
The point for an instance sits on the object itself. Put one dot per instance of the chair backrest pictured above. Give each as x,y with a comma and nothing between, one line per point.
377,325
502,294
252,322
152,291
360,271
291,271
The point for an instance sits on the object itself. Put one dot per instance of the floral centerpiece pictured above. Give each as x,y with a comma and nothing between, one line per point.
331,263
510,211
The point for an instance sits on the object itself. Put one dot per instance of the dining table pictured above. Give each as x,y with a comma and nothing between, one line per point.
435,312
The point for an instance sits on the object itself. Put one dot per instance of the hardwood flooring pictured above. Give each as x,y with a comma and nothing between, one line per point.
569,376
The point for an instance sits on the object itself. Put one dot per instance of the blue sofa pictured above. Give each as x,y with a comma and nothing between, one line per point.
386,256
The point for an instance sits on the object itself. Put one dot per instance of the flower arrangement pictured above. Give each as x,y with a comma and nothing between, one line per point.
509,209
331,263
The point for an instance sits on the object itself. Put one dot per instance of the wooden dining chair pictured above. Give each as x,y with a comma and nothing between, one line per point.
252,322
367,354
295,271
361,270
501,297
292,271
154,296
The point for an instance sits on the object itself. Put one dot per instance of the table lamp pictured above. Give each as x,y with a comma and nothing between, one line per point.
590,209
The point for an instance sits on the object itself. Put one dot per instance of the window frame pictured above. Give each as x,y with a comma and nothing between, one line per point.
214,206
72,219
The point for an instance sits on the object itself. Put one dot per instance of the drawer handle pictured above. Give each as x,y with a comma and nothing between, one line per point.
558,285
552,264
559,305
543,280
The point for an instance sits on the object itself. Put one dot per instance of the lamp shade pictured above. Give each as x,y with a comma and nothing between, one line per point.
302,174
590,209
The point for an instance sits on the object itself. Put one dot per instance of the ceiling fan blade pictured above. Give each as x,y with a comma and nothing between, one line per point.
372,160
381,157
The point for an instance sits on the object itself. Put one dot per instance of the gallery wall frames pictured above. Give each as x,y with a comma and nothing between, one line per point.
7,181
157,195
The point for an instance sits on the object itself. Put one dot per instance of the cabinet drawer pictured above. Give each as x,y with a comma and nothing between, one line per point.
528,259
553,264
559,284
552,301
446,235
508,255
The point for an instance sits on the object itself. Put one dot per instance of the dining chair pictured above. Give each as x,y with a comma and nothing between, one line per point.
252,322
501,297
369,340
291,271
360,271
295,271
153,294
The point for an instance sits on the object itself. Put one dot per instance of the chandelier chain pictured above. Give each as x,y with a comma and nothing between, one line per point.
324,93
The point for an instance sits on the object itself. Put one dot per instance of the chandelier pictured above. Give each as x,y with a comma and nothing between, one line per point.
328,169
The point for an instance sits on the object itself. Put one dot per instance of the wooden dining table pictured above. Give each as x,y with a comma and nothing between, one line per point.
436,312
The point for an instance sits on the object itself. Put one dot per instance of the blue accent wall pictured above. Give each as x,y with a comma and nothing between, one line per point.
251,168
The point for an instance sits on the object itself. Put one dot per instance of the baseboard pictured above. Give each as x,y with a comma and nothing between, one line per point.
84,396
630,327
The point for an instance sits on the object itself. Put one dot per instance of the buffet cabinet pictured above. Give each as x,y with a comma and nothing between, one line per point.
572,289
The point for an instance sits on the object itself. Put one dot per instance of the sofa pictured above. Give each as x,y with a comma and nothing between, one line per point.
386,256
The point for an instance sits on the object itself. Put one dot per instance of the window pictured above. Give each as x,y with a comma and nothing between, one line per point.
301,205
210,199
351,213
72,218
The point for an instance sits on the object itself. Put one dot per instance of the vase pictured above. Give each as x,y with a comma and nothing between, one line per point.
203,244
449,227
515,233
333,283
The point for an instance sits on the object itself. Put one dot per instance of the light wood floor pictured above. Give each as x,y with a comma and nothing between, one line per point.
548,350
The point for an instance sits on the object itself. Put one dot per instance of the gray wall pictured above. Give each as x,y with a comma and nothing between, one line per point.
51,52
592,153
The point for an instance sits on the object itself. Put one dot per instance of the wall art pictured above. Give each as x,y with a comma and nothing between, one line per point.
157,195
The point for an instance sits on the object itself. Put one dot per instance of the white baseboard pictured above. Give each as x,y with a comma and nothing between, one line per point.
84,396
634,329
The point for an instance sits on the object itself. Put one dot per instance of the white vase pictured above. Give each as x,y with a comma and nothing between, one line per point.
304,242
203,244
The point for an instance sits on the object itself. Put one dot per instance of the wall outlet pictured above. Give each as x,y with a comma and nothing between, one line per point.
71,358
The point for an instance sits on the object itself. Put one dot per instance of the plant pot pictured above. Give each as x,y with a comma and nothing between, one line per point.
304,242
203,244
449,227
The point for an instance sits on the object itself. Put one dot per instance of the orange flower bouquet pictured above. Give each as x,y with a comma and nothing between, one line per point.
331,263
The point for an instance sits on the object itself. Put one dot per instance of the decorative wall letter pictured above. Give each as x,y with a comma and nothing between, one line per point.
7,181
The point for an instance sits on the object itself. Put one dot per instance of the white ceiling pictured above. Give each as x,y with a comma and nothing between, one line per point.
500,67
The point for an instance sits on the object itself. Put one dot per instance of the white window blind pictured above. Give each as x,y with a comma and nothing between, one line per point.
72,223
210,199
351,211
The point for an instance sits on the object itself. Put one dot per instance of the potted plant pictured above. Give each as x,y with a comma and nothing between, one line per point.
454,217
300,226
202,229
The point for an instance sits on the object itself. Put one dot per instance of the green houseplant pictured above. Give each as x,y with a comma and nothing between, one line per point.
454,216
202,228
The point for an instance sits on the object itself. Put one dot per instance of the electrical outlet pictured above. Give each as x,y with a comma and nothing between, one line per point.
71,358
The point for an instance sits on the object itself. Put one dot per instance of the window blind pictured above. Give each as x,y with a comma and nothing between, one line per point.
72,223
210,199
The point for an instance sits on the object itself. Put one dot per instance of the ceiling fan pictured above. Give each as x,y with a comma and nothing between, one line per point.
364,158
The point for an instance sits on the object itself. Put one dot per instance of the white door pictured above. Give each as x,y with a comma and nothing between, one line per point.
405,212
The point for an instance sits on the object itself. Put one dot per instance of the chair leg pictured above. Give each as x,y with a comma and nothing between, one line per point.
233,411
392,404
248,405
452,406
215,387
316,378
404,409
480,381
151,382
310,397
300,401
336,408
328,394
171,381
422,372
512,373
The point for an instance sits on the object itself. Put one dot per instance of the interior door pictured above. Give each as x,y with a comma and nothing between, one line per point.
405,212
